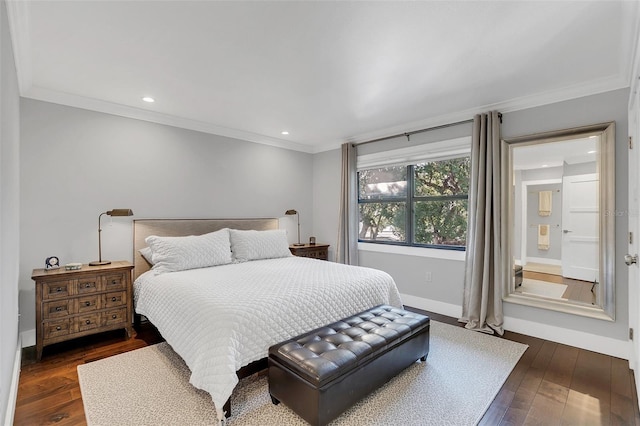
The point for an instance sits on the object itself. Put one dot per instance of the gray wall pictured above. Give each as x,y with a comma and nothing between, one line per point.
533,219
9,210
326,177
447,280
76,164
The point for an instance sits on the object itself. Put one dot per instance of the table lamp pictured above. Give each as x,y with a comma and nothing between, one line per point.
114,212
290,213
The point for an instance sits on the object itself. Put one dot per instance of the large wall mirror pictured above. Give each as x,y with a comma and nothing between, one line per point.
559,189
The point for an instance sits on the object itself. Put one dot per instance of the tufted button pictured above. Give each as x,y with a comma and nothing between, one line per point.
338,338
320,347
373,340
353,332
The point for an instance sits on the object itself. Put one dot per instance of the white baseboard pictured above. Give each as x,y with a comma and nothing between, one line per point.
579,339
28,338
15,380
554,262
436,306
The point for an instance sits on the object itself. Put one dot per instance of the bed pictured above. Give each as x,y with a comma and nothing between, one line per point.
222,319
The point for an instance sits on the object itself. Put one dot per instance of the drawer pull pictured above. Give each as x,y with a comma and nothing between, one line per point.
88,285
58,290
114,316
113,299
87,303
58,308
58,328
88,321
114,282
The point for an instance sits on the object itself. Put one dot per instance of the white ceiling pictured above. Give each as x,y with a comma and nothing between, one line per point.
555,154
328,72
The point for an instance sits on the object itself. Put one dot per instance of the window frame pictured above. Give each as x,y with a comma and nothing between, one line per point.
410,199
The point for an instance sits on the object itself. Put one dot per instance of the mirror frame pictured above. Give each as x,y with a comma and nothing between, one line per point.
606,171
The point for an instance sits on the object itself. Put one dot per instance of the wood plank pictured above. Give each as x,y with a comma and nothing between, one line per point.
528,389
562,365
556,279
589,399
634,399
548,404
622,412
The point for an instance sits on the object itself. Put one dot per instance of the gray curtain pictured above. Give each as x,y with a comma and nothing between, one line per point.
482,300
347,248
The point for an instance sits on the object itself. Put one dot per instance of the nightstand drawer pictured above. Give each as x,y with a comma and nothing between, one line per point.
87,285
56,309
115,316
88,303
57,328
313,251
56,289
113,282
87,322
114,299
316,254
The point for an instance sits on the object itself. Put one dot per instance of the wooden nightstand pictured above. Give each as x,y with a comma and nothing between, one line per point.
316,251
90,300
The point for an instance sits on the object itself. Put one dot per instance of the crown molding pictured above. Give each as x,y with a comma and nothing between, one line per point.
572,92
46,95
581,90
18,16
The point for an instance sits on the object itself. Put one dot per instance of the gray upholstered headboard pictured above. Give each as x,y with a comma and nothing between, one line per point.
142,228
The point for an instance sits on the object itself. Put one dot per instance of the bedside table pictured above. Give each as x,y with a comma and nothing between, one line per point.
315,251
77,303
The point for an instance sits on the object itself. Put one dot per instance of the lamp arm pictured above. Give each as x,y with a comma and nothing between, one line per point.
100,238
298,214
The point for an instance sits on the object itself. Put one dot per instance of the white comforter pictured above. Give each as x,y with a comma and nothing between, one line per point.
222,318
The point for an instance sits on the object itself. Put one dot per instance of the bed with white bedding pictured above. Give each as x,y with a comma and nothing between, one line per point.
224,317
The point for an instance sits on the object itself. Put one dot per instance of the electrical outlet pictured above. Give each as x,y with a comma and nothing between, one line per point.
427,277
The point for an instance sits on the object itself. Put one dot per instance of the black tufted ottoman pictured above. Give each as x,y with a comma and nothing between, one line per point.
325,371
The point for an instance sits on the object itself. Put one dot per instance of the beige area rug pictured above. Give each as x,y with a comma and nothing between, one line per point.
150,386
543,289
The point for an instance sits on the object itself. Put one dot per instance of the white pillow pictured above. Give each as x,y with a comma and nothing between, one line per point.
147,254
254,245
172,254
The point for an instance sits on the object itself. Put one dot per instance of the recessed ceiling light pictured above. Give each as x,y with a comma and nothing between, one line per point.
148,99
544,165
284,132
591,152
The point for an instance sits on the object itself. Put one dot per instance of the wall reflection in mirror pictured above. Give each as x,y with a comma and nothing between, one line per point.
559,231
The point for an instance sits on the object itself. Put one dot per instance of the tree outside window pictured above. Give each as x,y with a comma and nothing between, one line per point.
436,193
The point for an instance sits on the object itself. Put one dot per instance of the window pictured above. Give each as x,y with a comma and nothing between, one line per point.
422,204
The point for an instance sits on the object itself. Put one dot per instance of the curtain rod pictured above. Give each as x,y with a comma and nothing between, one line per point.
408,134
428,129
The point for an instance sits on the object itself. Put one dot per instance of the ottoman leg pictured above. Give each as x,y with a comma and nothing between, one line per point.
423,359
275,400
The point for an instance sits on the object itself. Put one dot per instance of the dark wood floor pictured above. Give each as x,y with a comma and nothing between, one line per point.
577,291
552,384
